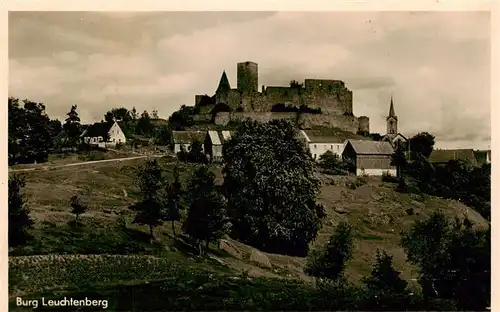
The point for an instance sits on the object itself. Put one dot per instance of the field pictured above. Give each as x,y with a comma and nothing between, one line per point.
110,256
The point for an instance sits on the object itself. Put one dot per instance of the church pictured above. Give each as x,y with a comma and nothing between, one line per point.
393,136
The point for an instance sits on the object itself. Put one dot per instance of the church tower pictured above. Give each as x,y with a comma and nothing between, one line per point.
392,121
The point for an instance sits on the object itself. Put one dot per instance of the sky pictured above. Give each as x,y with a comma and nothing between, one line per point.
435,64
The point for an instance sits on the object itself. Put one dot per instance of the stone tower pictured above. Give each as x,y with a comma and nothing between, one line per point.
248,78
392,120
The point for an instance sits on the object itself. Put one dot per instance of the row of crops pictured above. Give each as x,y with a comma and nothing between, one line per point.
32,274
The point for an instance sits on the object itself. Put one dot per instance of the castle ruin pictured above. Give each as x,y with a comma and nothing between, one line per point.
317,102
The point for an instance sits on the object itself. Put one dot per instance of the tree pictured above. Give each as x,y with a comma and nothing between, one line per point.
206,219
118,114
35,137
163,135
55,128
295,84
182,155
454,260
77,208
375,136
271,186
155,114
398,159
174,195
182,118
330,263
16,131
422,170
333,163
195,154
19,213
150,210
133,113
422,143
386,289
144,125
72,125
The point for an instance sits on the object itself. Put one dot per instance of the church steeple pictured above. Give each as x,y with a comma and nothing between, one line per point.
391,109
223,84
392,120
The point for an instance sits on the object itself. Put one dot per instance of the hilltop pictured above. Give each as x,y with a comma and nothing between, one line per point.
377,212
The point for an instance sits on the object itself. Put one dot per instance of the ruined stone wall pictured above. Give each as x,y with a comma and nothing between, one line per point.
331,99
222,118
202,117
283,95
347,123
233,99
364,124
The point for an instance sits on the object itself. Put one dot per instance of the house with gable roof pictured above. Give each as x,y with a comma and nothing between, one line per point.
103,134
369,157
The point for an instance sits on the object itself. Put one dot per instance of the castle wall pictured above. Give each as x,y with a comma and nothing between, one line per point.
202,117
283,95
233,99
347,123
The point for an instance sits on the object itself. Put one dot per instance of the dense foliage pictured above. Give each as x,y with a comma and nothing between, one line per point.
30,131
206,219
144,125
454,260
422,143
333,164
330,263
385,289
151,209
182,118
271,188
19,213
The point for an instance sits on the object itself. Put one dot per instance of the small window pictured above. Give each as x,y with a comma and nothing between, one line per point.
331,146
315,146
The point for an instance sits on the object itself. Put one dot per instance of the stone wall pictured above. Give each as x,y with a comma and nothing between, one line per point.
347,123
202,117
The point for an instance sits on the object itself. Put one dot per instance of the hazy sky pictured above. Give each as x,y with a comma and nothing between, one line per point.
437,65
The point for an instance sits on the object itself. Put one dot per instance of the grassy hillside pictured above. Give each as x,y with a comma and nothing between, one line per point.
377,212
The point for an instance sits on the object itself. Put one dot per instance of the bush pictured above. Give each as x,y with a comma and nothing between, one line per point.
333,164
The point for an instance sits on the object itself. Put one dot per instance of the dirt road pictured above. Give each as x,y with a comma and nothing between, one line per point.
42,167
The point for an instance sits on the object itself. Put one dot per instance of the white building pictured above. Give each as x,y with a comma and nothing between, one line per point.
318,145
103,134
184,139
214,141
